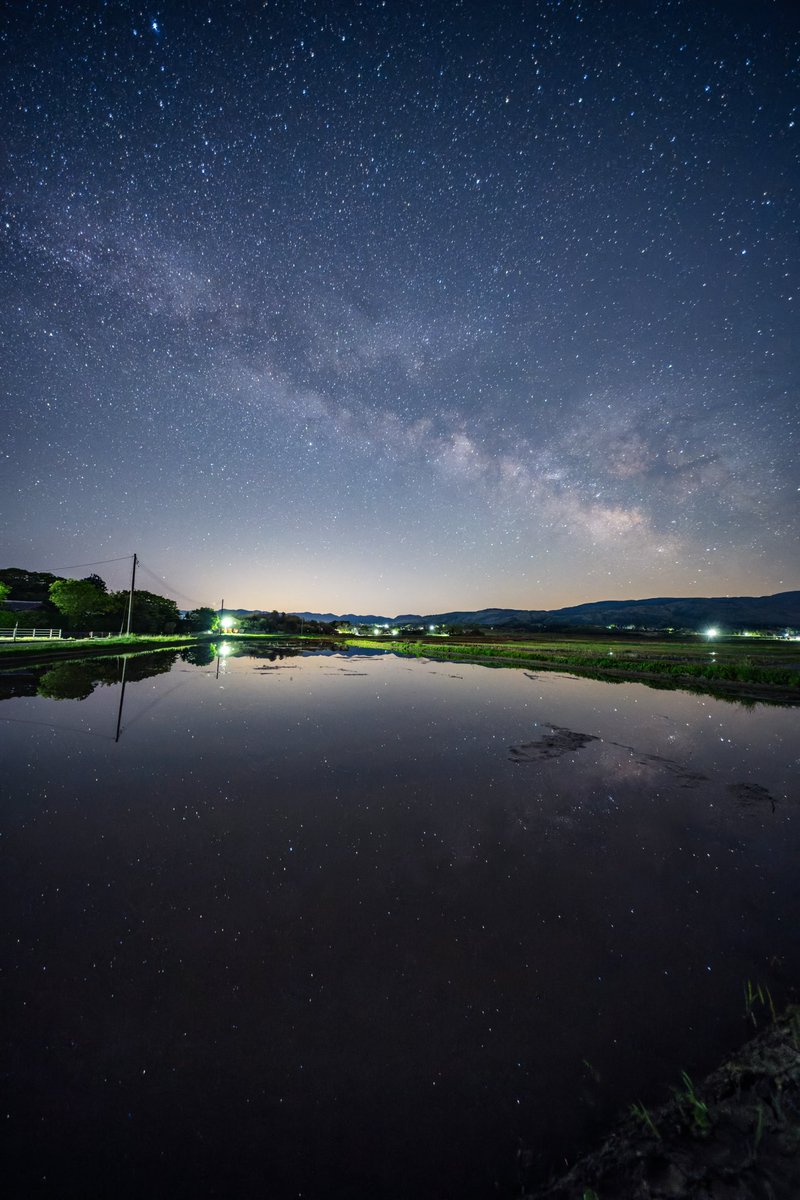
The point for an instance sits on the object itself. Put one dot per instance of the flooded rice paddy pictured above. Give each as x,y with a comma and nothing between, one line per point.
348,925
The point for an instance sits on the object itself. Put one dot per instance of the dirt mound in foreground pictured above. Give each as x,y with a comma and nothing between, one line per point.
735,1136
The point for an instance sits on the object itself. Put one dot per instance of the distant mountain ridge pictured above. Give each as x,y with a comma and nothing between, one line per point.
659,612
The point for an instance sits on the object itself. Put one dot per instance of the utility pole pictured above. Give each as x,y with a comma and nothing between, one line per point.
130,598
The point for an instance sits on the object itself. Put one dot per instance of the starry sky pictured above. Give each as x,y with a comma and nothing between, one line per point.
387,306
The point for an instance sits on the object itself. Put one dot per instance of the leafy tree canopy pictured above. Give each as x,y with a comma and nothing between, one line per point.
201,619
78,599
99,583
151,613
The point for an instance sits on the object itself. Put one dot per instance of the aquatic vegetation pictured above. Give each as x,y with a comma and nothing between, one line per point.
676,668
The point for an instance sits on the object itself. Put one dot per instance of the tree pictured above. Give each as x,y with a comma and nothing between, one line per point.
200,619
151,613
27,585
27,618
97,581
5,592
78,599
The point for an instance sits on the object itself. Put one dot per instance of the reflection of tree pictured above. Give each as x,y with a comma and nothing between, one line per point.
144,666
67,681
77,680
199,656
270,652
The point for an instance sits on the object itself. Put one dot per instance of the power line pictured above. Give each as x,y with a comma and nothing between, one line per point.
97,563
165,583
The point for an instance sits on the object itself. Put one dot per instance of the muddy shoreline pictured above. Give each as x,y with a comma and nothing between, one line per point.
735,1135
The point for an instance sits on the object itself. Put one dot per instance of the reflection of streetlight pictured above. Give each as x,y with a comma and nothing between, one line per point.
222,652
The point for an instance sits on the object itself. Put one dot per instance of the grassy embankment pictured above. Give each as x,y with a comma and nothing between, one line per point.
41,648
748,663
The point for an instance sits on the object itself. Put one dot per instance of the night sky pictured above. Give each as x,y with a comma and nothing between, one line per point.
390,306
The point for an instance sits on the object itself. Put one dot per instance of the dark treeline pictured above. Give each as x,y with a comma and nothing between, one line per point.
82,604
288,623
87,604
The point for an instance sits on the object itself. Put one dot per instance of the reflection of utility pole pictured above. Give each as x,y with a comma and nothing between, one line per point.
221,608
130,598
121,699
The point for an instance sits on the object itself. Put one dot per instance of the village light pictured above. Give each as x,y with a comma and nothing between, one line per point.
712,632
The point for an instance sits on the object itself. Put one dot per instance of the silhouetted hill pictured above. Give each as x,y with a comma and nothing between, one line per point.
660,612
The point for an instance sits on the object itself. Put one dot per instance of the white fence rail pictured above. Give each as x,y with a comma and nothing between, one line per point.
18,632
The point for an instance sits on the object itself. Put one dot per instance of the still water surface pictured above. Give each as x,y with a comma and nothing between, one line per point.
352,925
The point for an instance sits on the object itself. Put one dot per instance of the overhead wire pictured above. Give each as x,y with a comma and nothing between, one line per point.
166,583
97,563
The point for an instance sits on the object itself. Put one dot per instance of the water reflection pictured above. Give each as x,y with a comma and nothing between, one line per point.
77,679
352,925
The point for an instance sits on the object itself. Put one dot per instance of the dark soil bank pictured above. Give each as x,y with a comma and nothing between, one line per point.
735,1136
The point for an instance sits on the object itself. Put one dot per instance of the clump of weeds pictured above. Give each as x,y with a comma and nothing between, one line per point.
640,1112
754,996
694,1109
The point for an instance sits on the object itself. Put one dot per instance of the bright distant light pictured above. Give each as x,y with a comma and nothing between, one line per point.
712,632
395,632
227,622
431,628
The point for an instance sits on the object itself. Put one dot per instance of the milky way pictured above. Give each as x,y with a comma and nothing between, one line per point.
403,307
